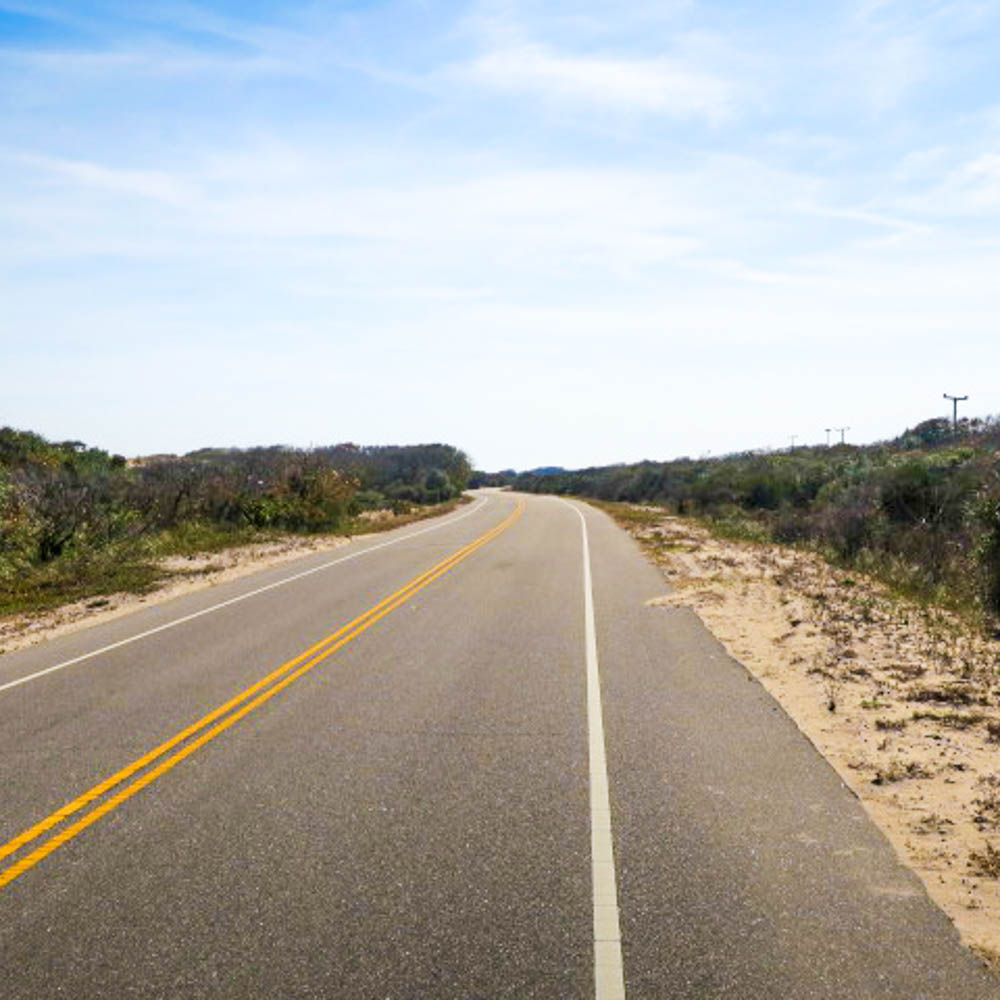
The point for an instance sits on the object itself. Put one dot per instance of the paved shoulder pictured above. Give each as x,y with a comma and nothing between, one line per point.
746,868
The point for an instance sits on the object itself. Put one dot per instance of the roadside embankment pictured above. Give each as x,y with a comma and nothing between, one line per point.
902,699
180,574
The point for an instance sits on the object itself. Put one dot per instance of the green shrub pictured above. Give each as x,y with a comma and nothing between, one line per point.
986,516
921,512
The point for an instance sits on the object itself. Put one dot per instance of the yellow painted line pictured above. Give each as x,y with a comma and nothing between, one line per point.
126,772
313,656
239,598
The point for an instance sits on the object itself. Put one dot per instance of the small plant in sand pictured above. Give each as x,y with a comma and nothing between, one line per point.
987,804
953,720
985,862
949,693
907,671
890,725
932,823
897,770
831,693
866,609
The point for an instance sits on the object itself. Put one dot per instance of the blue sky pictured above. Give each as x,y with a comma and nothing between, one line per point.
569,233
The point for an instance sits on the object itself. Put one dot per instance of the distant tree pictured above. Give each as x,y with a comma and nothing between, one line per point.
928,433
438,486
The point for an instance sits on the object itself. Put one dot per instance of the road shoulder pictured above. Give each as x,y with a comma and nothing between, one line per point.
900,699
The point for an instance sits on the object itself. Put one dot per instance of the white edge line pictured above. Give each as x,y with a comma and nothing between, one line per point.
236,600
609,974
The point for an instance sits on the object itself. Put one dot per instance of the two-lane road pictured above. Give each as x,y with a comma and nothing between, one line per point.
464,760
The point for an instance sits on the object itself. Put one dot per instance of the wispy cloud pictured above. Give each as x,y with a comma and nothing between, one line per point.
645,85
366,185
157,185
893,48
972,190
149,62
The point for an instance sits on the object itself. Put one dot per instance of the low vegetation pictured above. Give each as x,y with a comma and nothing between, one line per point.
986,862
77,522
921,512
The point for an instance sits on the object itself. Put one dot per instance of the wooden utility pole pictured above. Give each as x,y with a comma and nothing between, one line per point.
955,400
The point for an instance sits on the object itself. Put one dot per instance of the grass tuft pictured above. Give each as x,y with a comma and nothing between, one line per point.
985,862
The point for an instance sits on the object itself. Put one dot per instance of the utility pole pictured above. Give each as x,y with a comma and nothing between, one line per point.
828,436
795,438
840,430
955,400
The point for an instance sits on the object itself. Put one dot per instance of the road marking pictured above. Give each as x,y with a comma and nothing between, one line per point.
609,975
283,676
119,776
236,600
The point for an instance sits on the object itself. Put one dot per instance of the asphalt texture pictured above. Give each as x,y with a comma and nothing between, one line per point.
410,817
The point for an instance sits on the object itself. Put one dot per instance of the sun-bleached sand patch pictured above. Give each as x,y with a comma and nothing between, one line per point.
902,700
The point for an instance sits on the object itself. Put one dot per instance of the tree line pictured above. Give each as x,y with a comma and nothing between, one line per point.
68,510
921,511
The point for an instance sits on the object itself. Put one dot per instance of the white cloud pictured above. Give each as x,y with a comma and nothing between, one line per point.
979,183
971,190
890,68
921,164
893,47
424,235
146,63
304,212
157,185
957,194
644,85
880,61
559,216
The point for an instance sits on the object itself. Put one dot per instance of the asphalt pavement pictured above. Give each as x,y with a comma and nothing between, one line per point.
405,807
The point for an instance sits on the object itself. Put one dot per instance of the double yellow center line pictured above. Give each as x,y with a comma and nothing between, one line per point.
206,729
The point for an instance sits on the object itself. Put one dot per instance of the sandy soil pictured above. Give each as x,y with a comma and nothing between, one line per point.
182,574
902,700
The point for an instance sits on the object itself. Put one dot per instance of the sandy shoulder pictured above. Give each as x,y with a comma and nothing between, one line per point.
901,700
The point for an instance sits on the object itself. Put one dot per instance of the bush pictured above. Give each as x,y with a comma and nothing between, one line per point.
922,512
74,517
367,500
986,515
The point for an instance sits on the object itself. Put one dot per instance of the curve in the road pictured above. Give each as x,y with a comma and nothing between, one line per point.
35,675
230,713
